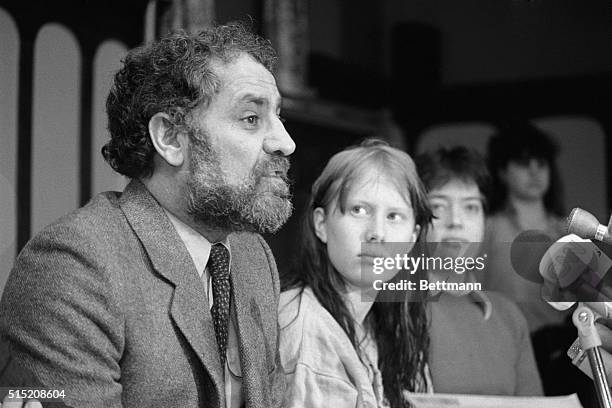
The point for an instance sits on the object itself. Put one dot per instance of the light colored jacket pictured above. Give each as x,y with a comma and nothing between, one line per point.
322,369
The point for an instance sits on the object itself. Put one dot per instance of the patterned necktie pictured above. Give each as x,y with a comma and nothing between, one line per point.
218,266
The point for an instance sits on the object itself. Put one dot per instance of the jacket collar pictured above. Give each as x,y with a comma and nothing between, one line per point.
172,261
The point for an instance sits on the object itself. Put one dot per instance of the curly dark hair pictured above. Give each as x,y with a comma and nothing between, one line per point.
400,328
172,75
436,168
519,141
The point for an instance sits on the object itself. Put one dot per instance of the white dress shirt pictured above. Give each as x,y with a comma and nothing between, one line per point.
199,249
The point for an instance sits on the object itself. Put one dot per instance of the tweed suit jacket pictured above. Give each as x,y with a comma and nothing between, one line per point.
106,304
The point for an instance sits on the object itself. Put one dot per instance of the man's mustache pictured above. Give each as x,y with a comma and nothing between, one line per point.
275,166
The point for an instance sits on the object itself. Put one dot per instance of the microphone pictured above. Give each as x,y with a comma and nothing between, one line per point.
526,252
585,225
570,270
561,262
577,270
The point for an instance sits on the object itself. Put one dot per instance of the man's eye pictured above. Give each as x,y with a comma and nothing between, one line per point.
251,120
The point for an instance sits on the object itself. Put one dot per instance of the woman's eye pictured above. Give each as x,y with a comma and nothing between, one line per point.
541,163
473,208
435,207
395,217
358,210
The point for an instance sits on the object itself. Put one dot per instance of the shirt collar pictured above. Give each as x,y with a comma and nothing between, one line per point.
197,245
482,300
478,297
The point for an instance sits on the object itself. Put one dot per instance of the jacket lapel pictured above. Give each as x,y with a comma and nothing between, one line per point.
172,261
251,284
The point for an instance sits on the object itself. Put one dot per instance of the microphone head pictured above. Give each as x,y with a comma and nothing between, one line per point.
561,306
527,251
582,223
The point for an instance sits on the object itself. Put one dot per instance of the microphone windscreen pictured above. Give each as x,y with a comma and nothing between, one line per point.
582,223
527,251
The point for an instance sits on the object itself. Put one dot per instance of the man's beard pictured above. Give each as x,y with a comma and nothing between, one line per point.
259,204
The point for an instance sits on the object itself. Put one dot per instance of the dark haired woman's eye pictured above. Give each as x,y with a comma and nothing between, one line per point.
474,208
436,208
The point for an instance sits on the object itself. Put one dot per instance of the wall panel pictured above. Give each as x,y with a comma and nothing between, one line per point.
9,59
55,131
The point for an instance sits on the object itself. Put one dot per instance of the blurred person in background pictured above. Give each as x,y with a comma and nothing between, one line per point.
479,341
526,195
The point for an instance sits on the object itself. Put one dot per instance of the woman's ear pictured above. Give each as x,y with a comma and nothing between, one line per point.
168,143
318,218
416,232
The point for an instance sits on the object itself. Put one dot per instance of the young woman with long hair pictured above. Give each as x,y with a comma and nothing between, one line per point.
339,347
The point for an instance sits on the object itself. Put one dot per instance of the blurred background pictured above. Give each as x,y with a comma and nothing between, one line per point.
418,73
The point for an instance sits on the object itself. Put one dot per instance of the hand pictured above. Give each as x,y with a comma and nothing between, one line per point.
18,403
573,269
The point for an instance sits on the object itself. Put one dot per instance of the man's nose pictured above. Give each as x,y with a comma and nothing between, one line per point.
278,140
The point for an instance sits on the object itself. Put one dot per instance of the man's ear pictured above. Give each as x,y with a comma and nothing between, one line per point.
318,218
169,144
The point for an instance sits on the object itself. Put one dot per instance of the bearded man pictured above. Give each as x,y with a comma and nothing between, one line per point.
166,295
